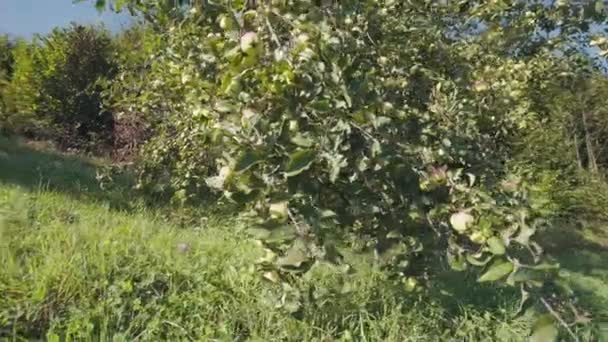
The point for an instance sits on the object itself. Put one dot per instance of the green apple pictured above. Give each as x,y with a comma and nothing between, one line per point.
249,42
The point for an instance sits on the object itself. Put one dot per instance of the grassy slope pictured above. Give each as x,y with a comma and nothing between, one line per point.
87,263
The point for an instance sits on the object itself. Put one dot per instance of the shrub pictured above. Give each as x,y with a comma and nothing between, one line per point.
71,62
21,93
399,148
6,56
56,85
131,128
128,97
383,126
5,71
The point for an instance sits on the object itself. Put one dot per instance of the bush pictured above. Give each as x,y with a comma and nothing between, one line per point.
56,82
21,92
399,149
384,126
6,66
131,128
6,57
128,97
71,63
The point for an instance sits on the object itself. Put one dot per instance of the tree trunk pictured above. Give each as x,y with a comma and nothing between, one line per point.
574,128
577,147
591,159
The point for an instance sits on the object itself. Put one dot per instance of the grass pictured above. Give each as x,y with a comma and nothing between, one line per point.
81,263
35,166
583,254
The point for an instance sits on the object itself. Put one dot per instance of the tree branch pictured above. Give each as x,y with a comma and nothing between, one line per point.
559,319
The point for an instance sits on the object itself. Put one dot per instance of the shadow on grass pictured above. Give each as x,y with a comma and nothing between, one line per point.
580,248
41,169
582,251
459,290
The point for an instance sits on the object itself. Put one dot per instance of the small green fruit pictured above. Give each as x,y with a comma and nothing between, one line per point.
461,220
249,42
279,211
226,23
410,284
478,237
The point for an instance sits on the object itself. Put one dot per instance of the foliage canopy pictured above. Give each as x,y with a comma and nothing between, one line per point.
55,86
387,123
396,127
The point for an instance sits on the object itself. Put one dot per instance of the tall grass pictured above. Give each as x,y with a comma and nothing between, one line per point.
85,271
78,266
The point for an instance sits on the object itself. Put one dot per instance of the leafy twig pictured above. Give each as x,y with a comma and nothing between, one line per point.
273,34
559,319
302,230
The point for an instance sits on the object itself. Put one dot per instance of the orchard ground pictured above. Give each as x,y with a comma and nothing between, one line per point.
86,263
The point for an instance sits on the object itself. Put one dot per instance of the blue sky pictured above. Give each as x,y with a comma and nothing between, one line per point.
25,17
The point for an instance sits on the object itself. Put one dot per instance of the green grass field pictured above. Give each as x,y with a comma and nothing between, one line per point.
82,263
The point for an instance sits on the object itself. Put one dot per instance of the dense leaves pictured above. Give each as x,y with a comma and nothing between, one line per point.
6,70
20,92
71,62
416,130
55,86
393,117
6,57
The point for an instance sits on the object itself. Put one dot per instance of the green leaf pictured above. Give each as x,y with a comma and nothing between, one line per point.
271,276
476,262
532,275
388,252
499,269
295,257
268,258
526,274
331,253
336,163
457,262
223,106
299,162
100,5
278,235
602,328
118,5
496,245
327,214
302,140
394,234
181,195
525,233
380,121
52,337
545,266
259,233
246,160
544,329
230,84
376,148
282,234
599,6
347,98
